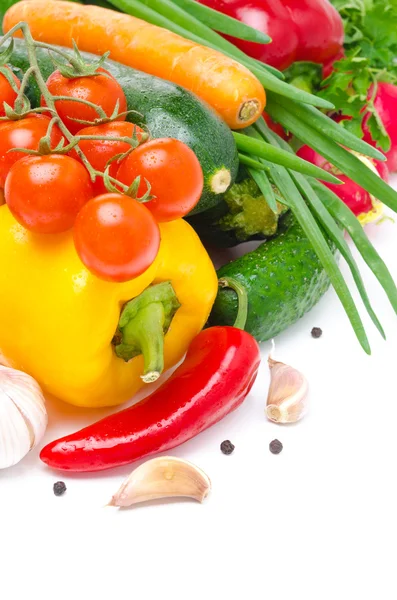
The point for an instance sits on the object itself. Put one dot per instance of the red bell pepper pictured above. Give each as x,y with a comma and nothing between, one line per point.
219,370
304,30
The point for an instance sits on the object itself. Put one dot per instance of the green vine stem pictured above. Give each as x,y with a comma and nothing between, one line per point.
101,113
55,49
73,141
242,300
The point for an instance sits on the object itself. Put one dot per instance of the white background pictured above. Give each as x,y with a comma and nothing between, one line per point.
317,522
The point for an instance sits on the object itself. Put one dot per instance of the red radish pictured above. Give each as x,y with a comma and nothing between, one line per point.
386,105
383,170
360,202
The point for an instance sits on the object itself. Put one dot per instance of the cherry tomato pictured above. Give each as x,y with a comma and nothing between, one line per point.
116,237
7,94
25,133
102,90
45,193
174,173
99,152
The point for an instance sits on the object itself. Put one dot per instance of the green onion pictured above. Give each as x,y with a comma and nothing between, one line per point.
265,187
273,70
348,221
136,8
337,236
342,159
283,180
248,161
223,23
246,144
332,205
328,127
274,84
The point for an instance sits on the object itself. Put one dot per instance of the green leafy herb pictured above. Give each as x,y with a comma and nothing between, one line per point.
371,48
305,75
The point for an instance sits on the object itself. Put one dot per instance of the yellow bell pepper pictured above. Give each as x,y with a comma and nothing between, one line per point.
62,325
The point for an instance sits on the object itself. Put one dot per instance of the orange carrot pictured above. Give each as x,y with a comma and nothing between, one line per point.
223,83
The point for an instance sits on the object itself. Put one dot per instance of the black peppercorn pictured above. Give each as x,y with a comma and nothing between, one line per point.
59,488
317,332
275,447
227,447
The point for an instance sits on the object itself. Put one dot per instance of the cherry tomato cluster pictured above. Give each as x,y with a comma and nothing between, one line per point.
116,236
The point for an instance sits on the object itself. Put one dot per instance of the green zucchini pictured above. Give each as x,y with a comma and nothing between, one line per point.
167,110
283,279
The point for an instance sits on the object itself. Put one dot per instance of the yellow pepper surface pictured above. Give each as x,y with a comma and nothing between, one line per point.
57,320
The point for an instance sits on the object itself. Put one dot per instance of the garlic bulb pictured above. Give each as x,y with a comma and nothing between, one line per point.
23,417
287,397
163,477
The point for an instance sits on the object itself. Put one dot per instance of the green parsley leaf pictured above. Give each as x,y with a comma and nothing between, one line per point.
371,51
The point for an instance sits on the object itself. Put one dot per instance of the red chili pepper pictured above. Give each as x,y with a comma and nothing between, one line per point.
219,370
304,30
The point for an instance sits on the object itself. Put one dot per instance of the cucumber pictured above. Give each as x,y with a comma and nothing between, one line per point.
167,110
283,279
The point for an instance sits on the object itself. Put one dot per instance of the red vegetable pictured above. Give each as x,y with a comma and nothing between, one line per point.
45,193
100,152
116,237
304,30
25,133
381,166
355,197
276,127
219,370
102,90
328,67
174,173
383,170
386,105
7,94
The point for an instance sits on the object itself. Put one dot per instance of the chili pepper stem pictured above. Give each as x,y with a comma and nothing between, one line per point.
242,300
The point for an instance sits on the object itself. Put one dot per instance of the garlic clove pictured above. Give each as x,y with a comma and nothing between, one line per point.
287,399
30,402
23,417
163,477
